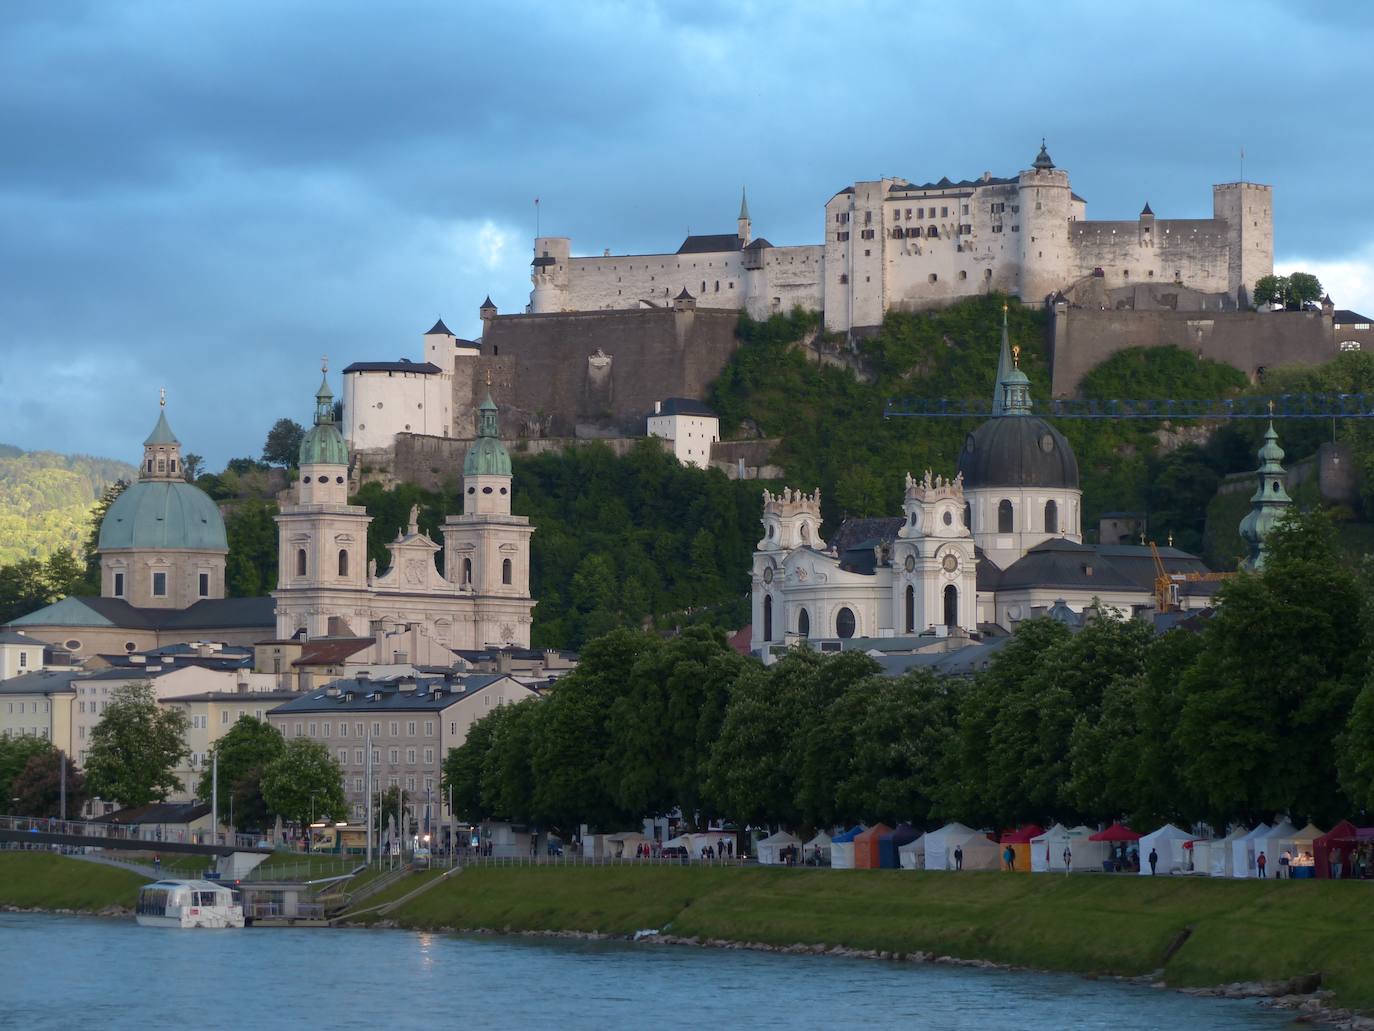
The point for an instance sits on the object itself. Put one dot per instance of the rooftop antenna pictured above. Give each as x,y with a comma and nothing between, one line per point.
1242,164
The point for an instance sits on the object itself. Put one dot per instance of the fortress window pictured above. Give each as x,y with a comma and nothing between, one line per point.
844,278
717,286
343,563
1125,273
963,274
505,571
987,273
934,278
300,561
1151,273
908,213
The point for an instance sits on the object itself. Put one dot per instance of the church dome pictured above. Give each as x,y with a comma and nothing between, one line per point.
1018,451
324,444
487,456
163,514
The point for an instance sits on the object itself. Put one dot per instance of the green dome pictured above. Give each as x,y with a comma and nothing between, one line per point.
487,456
163,514
324,445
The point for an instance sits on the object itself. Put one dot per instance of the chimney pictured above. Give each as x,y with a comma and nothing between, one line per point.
502,660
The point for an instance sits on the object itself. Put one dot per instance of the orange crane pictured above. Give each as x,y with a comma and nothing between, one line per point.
1167,583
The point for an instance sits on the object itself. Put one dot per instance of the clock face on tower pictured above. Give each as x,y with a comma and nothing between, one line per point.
910,563
951,563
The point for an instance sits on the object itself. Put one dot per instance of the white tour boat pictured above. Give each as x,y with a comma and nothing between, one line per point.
188,904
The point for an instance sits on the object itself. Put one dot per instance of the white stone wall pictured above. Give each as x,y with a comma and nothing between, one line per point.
379,405
692,436
1028,519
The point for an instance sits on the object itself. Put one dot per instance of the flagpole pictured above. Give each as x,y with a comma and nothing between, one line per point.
536,217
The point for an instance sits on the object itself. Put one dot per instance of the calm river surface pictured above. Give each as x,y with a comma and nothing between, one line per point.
63,972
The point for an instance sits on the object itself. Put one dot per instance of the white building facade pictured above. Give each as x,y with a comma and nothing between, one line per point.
690,425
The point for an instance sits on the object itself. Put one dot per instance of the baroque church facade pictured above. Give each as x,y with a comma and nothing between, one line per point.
327,587
969,556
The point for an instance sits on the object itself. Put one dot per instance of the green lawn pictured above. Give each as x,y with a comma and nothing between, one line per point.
48,881
1242,930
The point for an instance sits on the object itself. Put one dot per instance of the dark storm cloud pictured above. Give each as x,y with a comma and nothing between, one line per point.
211,195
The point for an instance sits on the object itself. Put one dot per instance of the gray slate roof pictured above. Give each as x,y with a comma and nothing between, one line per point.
682,406
210,614
406,694
42,682
712,243
418,368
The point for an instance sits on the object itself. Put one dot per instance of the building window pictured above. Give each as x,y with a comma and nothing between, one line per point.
429,728
844,622
224,716
410,757
300,561
767,617
951,605
203,585
393,756
357,757
410,729
804,624
910,609
343,562
467,570
343,756
505,571
119,585
1004,515
429,756
844,278
934,278
327,728
159,585
313,729
343,728
1051,517
395,729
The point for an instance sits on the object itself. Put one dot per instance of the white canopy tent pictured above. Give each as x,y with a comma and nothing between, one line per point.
624,846
980,853
1244,850
1044,844
1274,844
912,855
1168,842
1221,852
770,849
820,843
1047,850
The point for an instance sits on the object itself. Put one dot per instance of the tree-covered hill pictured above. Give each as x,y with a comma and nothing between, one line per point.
46,500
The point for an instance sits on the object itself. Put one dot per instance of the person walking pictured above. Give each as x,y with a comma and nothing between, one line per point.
1068,859
1261,863
1009,859
157,862
958,857
1154,861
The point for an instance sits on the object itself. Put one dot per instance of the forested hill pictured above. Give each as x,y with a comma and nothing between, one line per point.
46,500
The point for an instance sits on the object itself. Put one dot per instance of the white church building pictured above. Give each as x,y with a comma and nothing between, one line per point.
970,556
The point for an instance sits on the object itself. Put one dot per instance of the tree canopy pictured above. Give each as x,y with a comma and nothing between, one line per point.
245,751
304,783
283,444
136,748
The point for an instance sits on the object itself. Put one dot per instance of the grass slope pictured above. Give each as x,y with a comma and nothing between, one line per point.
42,880
1242,930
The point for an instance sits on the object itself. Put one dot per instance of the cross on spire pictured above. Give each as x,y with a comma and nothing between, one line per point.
324,363
162,398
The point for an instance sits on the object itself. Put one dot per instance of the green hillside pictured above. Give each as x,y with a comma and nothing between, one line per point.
46,500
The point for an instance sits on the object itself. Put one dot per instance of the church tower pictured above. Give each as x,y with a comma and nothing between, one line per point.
322,539
934,565
487,549
1270,501
743,223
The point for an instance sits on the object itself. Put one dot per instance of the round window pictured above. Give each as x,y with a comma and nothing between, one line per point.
1047,443
844,622
503,490
768,575
968,444
73,645
472,490
305,479
338,479
379,405
948,518
910,563
951,563
486,490
129,646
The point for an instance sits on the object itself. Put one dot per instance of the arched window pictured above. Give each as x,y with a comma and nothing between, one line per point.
910,609
505,571
767,617
1051,517
844,622
1004,516
467,570
951,605
805,534
804,624
343,562
300,561
968,514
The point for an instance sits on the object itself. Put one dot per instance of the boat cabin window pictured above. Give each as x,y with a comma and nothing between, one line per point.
203,898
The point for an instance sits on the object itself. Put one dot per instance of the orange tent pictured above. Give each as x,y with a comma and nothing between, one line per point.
866,855
1020,842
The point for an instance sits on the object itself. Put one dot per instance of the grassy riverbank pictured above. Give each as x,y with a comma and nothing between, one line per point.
42,880
1241,930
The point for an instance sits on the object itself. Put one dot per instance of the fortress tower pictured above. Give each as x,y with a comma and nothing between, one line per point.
1047,207
549,274
1248,209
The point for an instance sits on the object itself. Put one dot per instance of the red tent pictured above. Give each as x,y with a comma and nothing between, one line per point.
1116,832
1023,835
1336,846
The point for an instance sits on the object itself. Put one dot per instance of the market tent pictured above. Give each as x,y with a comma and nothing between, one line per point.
1303,845
1043,844
1168,842
1333,849
842,848
1220,853
1020,842
1047,850
980,851
770,849
1278,841
623,846
889,844
1243,852
818,848
866,847
912,855
1116,832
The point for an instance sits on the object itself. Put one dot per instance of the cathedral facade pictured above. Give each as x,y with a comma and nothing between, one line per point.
327,586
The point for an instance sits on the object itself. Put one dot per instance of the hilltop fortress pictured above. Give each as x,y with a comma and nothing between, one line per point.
891,245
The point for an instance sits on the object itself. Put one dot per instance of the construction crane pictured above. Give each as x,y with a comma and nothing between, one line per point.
1167,583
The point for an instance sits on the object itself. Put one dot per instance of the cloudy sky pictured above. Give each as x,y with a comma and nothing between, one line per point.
208,196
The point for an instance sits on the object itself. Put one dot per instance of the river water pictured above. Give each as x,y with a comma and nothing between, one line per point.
64,972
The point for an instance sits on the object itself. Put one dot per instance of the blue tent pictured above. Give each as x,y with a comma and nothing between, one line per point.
847,836
890,842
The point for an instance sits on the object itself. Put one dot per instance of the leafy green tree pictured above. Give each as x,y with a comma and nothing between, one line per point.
192,465
507,772
245,751
15,753
1270,289
1275,682
304,783
251,531
135,748
1356,751
283,445
752,762
1303,289
462,772
39,786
